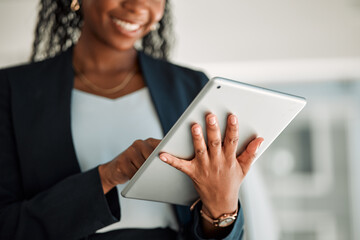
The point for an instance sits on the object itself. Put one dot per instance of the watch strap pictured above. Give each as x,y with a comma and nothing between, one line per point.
224,220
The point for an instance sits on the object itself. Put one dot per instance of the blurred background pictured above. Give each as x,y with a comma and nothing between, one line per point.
307,184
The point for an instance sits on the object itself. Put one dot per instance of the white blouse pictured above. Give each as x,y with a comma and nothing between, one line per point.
102,128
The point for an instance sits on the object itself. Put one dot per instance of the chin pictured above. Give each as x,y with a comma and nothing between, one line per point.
120,45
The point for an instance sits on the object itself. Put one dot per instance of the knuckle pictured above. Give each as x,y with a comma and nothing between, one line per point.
200,151
131,150
151,140
137,143
215,143
233,140
206,173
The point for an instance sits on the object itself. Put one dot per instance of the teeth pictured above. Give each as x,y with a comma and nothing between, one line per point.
126,25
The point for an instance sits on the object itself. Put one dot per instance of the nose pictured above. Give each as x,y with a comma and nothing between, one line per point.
135,6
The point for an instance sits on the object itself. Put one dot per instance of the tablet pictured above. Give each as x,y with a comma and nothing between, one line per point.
261,112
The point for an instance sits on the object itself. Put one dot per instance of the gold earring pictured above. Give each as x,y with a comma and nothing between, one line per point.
75,6
155,26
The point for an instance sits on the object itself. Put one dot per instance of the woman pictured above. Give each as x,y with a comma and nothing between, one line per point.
63,120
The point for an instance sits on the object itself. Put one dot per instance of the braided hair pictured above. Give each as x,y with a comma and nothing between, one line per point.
58,28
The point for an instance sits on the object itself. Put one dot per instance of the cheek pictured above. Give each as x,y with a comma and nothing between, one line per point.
95,11
158,13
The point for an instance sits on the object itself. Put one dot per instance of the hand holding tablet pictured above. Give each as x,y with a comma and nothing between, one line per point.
216,171
260,113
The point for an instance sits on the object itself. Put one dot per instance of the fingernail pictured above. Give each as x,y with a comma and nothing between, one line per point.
233,120
163,158
257,150
196,131
212,121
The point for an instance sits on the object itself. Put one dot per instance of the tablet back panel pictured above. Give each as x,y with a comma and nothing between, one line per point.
261,112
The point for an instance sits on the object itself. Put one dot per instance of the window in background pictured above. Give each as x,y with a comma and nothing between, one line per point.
309,169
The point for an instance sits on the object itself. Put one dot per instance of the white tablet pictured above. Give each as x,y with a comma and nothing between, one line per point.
261,112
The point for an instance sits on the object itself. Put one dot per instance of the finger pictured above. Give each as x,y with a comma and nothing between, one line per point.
142,147
181,165
146,149
213,135
199,142
153,142
141,150
128,169
248,155
231,136
137,158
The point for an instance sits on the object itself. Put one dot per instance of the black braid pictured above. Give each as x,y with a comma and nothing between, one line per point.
158,43
58,28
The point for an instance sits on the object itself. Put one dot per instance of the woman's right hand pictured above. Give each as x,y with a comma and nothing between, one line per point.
125,165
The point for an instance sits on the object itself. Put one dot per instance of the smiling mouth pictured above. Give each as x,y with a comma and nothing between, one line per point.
126,25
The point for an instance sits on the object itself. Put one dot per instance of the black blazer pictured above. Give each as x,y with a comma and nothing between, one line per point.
43,193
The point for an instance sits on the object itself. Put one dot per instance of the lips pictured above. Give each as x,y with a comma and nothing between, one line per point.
127,26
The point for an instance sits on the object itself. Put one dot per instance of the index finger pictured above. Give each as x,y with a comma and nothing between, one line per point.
153,142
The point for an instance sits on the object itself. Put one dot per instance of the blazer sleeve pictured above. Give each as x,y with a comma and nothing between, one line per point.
71,209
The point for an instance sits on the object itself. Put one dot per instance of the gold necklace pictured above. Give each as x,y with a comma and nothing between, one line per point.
106,91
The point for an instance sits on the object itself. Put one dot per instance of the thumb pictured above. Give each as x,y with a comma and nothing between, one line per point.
180,164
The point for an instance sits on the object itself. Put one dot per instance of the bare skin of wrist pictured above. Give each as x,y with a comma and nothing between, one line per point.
106,184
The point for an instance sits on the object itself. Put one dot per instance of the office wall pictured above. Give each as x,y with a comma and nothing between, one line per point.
242,30
233,30
17,20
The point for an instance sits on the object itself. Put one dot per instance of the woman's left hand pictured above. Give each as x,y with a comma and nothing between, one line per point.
216,171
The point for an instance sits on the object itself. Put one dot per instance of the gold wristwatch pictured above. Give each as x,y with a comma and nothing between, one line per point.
224,220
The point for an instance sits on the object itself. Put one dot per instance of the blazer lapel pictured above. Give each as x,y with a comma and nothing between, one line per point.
41,111
159,79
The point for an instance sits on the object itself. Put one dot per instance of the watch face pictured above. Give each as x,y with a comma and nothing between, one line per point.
226,221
